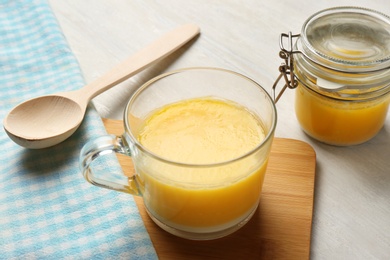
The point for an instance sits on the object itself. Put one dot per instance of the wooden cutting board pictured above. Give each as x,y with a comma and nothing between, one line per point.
280,228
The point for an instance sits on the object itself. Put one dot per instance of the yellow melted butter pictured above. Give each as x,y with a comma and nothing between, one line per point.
201,131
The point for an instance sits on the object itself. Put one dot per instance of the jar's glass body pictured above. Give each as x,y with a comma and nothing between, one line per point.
343,81
339,122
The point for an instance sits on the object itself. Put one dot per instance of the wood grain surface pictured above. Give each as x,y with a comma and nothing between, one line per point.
280,228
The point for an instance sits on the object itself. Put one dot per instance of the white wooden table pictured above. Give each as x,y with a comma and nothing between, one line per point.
352,192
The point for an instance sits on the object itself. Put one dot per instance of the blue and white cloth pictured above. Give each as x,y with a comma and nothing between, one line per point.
47,209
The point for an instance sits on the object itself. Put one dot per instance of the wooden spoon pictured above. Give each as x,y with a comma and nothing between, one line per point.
48,120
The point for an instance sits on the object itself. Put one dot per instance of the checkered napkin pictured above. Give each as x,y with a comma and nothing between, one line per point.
47,209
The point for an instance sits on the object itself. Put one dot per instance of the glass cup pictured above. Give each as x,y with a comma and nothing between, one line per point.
175,194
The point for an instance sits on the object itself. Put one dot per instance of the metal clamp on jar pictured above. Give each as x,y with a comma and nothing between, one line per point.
340,67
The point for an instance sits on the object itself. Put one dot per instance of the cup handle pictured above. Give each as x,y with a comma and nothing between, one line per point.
101,146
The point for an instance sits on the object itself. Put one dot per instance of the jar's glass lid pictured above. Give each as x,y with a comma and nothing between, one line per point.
348,39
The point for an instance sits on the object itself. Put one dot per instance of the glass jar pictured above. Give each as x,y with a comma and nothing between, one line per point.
340,67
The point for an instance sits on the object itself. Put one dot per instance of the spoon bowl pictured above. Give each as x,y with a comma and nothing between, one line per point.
52,126
48,120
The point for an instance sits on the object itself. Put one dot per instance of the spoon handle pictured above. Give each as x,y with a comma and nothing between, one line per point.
152,53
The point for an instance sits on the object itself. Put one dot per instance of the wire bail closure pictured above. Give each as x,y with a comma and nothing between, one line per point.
286,69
